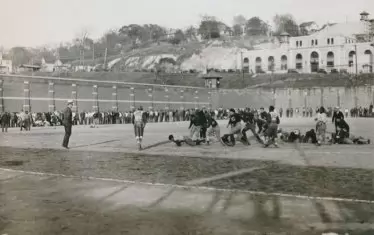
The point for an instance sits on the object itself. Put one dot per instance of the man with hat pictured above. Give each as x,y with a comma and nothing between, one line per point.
67,122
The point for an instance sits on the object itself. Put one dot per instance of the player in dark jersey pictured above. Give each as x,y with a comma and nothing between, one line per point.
250,124
262,120
236,127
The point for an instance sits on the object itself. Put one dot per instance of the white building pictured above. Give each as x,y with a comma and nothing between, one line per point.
6,66
333,47
51,66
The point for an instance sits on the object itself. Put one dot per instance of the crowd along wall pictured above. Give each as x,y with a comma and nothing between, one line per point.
344,97
40,94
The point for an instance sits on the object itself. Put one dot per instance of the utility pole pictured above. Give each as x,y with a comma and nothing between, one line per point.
83,56
356,60
241,58
106,53
32,63
93,53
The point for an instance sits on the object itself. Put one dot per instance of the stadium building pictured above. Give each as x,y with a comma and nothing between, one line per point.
331,49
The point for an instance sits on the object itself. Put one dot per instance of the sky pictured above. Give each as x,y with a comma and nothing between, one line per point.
33,23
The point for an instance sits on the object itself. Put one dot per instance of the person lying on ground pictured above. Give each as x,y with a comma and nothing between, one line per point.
352,139
184,139
310,137
291,137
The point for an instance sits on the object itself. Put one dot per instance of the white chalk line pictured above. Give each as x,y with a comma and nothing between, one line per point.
194,187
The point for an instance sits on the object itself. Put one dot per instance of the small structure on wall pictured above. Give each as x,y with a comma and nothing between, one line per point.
212,79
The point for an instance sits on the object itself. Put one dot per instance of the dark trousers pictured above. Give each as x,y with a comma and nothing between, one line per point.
252,127
4,126
203,133
65,142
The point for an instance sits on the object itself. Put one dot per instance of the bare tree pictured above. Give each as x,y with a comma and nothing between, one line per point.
80,40
239,20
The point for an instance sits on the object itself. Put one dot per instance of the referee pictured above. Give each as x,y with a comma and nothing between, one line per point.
67,122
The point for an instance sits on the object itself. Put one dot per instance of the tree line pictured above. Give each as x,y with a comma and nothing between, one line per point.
134,36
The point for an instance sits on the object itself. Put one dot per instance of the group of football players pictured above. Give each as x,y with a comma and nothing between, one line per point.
262,124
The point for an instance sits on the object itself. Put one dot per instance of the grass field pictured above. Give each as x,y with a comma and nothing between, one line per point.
55,204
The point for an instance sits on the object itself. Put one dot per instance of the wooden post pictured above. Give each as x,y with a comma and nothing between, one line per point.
26,100
132,98
74,97
182,98
322,96
150,95
167,99
305,101
115,99
95,96
2,108
51,95
197,99
274,98
355,97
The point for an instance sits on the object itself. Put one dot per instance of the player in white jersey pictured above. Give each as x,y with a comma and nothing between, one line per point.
139,122
272,130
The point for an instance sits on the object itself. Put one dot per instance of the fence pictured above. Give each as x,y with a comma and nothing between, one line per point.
40,94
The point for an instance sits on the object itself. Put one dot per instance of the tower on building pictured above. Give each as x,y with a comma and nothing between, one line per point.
364,16
285,38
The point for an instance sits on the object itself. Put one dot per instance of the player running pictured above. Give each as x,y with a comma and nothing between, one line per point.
139,121
271,133
250,124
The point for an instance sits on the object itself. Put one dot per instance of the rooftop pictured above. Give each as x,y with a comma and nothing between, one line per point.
343,29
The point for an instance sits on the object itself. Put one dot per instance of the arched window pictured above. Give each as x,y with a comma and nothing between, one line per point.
297,43
328,41
332,40
351,58
271,63
312,42
330,59
369,59
246,65
284,62
258,65
314,61
299,61
316,42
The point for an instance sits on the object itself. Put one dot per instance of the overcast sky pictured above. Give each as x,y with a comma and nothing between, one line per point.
38,22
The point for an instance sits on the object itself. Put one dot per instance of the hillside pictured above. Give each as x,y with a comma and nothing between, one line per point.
192,55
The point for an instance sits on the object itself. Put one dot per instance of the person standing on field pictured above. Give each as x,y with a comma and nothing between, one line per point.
67,122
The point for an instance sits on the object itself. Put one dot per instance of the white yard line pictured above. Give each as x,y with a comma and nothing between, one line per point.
193,187
221,176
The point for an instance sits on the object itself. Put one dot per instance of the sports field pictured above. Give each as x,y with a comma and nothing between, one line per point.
104,185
